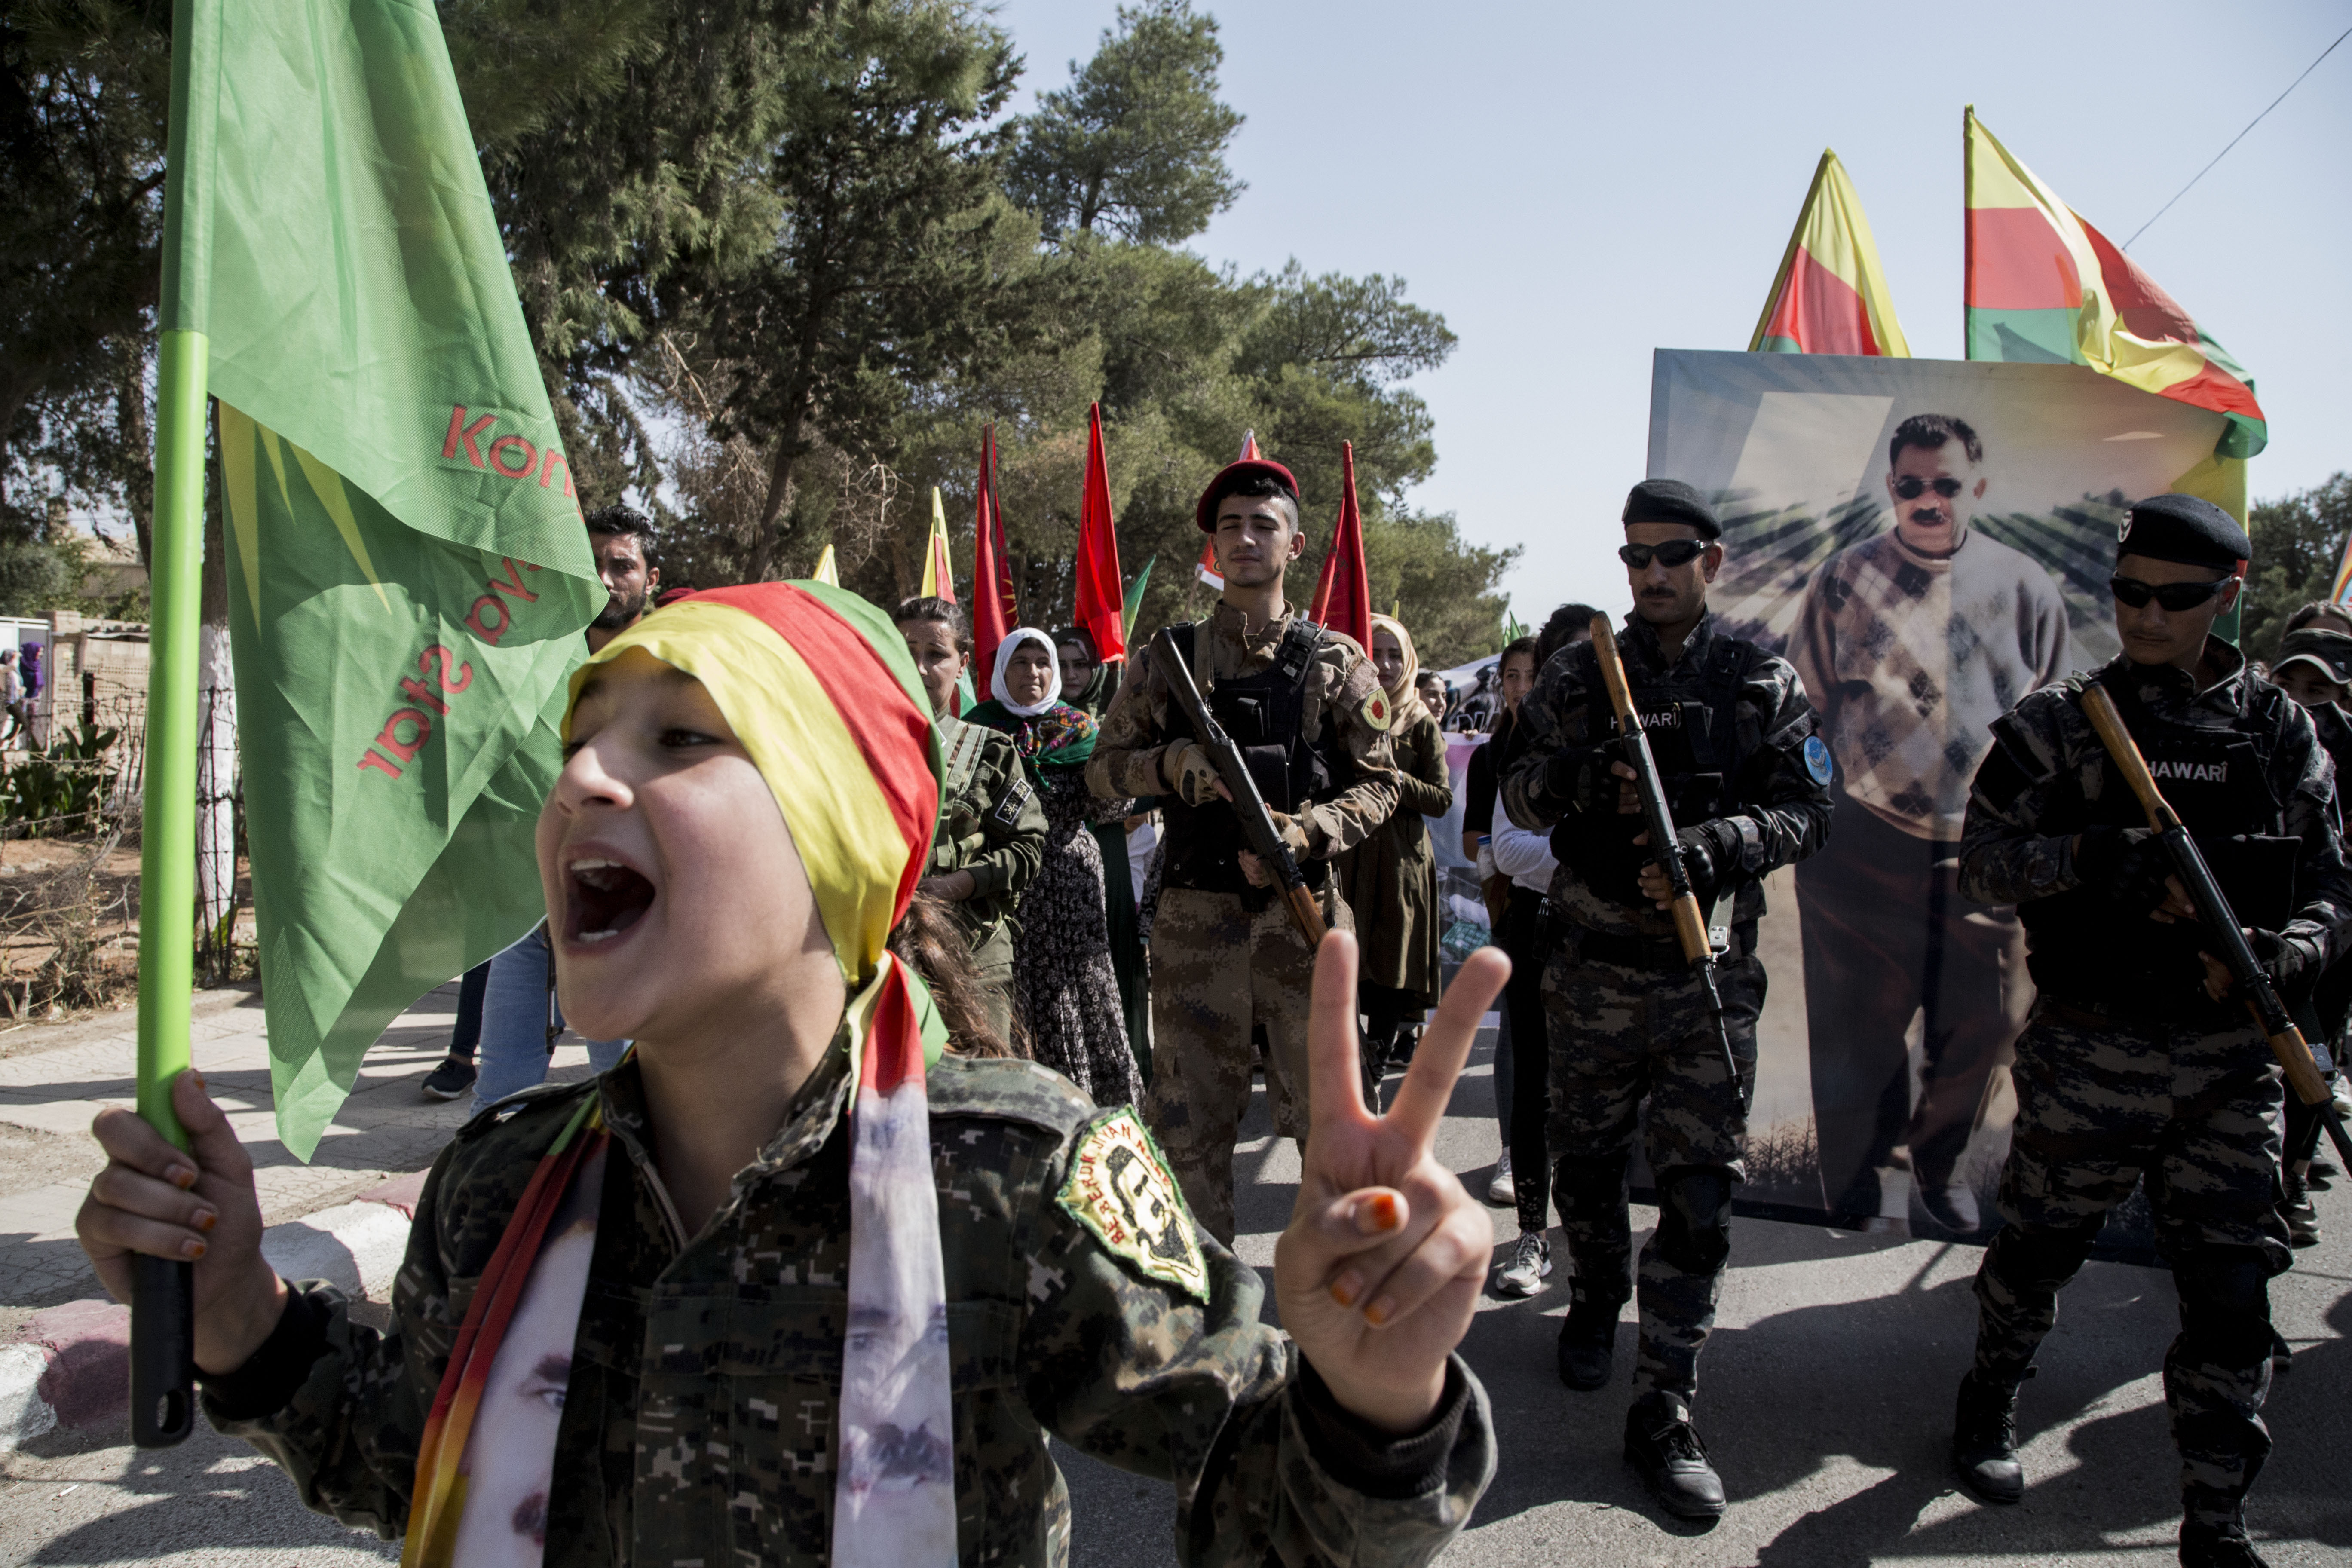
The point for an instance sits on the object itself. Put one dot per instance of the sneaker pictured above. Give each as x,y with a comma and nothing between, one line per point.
1529,1267
1499,1189
2210,1546
453,1078
2302,1218
1984,1441
1661,1443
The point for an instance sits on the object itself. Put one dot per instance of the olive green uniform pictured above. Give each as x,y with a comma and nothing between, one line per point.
992,825
700,1419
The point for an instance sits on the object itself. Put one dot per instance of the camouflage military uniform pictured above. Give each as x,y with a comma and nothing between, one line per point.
699,1420
992,825
2128,1072
1734,738
1224,955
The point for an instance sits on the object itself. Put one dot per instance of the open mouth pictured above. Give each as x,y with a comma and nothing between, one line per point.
607,899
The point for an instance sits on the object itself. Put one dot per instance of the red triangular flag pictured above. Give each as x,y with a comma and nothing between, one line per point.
1343,594
993,611
1101,601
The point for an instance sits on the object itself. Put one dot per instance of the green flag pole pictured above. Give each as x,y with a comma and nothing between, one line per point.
163,1303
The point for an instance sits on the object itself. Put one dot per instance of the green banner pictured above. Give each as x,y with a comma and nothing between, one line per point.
408,575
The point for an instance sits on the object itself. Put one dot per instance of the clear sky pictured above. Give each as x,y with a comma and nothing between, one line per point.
1574,186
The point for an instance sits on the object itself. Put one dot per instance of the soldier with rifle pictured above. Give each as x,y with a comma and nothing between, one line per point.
1231,946
2141,1064
1734,766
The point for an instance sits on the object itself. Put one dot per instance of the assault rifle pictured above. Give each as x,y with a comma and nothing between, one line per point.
1249,806
1690,924
2221,921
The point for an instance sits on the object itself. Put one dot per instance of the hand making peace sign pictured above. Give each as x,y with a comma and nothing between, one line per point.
1380,1268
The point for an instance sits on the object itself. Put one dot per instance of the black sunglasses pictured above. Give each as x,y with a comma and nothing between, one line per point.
1911,488
1673,552
2174,597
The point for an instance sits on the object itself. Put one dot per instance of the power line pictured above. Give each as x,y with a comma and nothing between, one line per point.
2241,136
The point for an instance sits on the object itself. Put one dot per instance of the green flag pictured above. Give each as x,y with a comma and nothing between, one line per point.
408,573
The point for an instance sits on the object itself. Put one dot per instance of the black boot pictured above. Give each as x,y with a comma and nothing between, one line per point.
1588,1342
2217,1546
1984,1441
1662,1444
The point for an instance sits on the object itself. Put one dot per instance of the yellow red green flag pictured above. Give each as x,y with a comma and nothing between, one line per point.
2043,285
1831,295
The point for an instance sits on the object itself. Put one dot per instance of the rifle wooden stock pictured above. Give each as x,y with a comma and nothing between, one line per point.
2262,1001
1248,805
1690,921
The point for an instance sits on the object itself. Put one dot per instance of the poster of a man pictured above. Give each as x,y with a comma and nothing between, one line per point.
1910,644
1927,543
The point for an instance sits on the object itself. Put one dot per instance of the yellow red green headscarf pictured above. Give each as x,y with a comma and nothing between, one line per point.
819,690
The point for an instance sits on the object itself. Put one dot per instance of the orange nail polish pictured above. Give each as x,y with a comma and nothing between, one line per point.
1384,1212
205,1219
181,1176
1347,1288
1379,1311
191,1249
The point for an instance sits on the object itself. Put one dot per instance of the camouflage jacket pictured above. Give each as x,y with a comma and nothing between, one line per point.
991,824
1144,720
697,1423
2048,777
1775,789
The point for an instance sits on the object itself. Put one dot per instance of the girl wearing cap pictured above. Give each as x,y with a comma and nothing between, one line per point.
792,1283
1065,987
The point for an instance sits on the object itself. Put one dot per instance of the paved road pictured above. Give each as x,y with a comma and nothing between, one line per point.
1827,1395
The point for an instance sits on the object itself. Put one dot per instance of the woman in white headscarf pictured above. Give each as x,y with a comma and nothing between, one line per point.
1392,877
1065,987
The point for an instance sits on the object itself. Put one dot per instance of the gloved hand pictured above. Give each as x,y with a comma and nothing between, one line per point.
1710,852
1581,775
2124,864
2284,958
1293,832
1192,777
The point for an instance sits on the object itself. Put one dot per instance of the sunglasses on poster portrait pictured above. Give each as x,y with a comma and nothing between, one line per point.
1673,552
2173,596
1911,487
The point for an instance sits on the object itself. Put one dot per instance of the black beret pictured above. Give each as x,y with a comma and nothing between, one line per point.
2331,651
2186,528
1671,501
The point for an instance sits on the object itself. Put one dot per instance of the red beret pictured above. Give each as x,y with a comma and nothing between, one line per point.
1231,478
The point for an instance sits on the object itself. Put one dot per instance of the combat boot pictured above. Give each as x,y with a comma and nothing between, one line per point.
1661,1443
2217,1546
1588,1342
1984,1441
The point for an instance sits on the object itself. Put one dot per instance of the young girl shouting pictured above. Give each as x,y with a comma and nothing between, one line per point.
792,1284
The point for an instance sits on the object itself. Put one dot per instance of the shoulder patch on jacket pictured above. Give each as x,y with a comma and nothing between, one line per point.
1377,711
1120,1189
1008,1089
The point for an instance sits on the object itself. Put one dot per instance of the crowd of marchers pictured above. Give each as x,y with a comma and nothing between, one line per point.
1089,893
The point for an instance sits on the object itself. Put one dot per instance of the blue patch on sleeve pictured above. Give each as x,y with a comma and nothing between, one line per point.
1817,759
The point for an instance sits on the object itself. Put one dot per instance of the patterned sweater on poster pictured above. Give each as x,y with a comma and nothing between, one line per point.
1910,657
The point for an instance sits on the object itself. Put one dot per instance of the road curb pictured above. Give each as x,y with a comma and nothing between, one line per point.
68,1367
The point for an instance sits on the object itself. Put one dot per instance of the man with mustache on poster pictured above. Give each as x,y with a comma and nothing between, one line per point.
2140,1065
1912,642
1748,782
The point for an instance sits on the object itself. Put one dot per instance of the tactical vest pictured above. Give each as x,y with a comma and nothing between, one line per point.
1266,714
2081,948
1692,719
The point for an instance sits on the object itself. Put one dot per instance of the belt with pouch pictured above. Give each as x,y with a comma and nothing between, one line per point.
1659,955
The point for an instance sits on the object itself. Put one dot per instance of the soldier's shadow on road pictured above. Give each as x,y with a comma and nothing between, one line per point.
1869,1383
